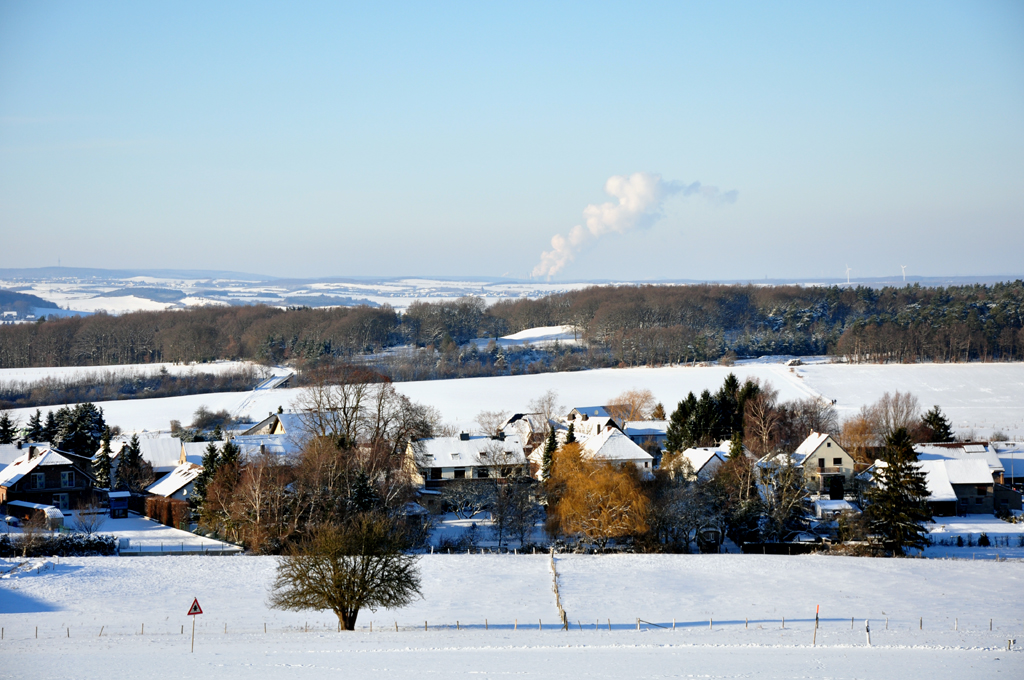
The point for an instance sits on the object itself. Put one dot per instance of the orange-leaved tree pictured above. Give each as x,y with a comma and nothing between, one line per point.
596,500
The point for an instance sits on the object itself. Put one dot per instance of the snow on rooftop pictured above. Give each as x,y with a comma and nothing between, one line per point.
170,483
25,464
477,450
614,446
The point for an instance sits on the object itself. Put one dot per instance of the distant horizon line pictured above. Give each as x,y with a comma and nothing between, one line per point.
99,272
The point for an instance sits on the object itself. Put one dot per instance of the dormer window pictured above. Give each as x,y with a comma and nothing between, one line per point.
456,456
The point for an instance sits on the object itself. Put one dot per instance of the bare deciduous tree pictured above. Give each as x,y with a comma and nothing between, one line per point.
359,565
547,404
635,404
895,411
467,497
761,421
490,422
90,517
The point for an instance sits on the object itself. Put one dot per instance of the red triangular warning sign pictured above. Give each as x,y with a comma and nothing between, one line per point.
195,608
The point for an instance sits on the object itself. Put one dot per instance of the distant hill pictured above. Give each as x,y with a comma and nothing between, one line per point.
154,294
22,303
92,273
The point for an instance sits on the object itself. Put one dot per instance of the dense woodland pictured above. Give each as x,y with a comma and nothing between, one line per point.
621,325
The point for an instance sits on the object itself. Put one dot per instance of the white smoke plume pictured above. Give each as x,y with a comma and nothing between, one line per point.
640,199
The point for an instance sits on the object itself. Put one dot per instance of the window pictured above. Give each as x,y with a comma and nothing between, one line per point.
482,473
67,479
60,500
460,473
435,473
821,463
982,490
38,480
837,462
828,445
979,501
455,456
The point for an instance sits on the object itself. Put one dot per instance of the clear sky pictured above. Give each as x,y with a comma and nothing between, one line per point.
305,139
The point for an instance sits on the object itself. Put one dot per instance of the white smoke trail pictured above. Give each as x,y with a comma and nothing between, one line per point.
640,198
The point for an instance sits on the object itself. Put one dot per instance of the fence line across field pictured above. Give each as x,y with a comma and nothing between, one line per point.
221,628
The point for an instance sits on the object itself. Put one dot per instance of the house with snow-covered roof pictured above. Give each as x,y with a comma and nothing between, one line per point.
705,460
47,477
827,467
647,433
614,447
955,487
177,485
439,460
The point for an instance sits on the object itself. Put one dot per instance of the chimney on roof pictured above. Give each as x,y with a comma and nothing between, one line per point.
31,452
464,436
19,446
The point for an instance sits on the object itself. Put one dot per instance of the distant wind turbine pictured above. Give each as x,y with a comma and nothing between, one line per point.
904,268
847,275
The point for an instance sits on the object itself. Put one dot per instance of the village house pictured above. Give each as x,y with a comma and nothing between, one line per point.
438,460
648,434
178,484
705,460
614,447
955,487
47,477
827,467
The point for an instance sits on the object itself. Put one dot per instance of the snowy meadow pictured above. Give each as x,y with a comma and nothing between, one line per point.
629,615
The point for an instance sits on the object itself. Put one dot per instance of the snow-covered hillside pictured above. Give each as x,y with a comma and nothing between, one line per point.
982,397
929,618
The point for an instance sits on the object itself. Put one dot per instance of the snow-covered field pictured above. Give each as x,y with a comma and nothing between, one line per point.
979,397
929,618
34,375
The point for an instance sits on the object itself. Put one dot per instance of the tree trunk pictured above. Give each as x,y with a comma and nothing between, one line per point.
347,618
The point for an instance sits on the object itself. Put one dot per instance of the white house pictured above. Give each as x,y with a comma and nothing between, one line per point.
178,484
440,459
643,432
823,461
614,447
706,460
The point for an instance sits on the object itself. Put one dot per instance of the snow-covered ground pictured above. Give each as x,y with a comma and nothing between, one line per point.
539,337
979,397
928,618
34,375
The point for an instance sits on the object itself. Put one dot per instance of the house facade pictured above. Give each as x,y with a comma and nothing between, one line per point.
825,464
46,477
439,460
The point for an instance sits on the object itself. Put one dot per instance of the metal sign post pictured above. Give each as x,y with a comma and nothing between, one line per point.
193,611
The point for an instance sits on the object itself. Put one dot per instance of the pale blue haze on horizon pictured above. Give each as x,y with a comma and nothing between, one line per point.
456,139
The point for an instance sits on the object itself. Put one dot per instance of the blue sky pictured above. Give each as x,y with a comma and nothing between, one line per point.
457,139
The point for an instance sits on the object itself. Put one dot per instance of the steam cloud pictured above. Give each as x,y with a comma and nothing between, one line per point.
640,199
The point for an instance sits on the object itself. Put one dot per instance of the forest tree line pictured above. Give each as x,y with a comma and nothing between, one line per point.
619,325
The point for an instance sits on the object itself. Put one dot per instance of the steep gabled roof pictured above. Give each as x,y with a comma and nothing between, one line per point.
13,473
180,477
612,445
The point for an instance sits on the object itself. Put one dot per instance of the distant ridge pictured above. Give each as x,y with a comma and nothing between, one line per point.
94,273
41,273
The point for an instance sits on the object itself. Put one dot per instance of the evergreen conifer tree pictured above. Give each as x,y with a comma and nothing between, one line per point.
131,468
211,461
8,428
678,433
50,428
35,427
937,422
897,504
570,436
736,445
549,454
101,464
